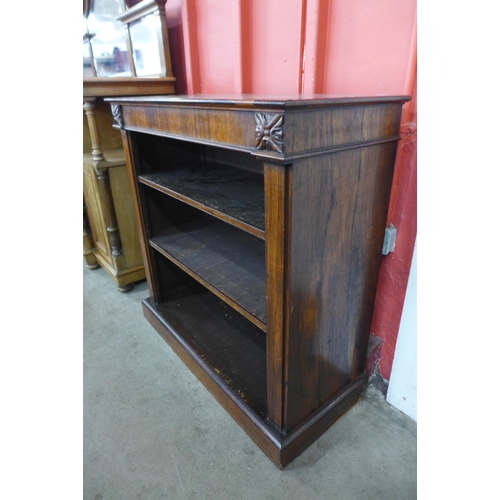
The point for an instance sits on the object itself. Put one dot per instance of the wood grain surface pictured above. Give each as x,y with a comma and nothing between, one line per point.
228,261
263,261
334,272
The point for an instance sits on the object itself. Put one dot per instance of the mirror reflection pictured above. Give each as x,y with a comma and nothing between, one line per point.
123,38
106,41
146,41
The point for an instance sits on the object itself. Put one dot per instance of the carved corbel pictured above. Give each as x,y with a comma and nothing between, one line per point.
116,111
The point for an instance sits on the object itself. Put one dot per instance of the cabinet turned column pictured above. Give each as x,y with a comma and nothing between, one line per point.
108,210
109,232
101,168
88,242
97,154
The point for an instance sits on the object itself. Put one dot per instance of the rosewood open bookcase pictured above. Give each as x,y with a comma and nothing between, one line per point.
262,224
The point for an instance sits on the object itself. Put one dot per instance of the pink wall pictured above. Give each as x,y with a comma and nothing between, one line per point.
369,46
275,28
403,215
346,47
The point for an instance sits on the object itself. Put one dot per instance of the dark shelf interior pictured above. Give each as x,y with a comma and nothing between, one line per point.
226,259
233,347
204,219
224,191
226,183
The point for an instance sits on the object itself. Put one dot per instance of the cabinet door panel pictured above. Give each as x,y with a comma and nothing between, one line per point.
94,211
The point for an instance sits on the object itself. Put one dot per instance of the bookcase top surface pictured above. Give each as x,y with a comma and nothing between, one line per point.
260,100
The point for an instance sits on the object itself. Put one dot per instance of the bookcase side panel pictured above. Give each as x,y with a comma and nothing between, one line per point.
338,213
316,129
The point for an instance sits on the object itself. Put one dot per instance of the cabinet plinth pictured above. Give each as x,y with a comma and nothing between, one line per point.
262,223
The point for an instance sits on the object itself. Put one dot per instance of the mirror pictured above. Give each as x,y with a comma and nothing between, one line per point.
125,38
105,41
146,45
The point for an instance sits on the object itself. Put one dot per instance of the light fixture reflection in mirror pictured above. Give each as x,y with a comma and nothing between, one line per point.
108,41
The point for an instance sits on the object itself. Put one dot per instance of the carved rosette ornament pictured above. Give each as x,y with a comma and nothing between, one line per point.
116,111
269,132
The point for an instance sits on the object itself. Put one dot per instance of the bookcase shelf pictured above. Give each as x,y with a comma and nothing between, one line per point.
230,194
230,346
228,261
262,224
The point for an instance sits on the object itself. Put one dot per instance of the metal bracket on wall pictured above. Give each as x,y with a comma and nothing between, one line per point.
389,240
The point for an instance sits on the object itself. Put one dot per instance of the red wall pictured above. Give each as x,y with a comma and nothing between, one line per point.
345,47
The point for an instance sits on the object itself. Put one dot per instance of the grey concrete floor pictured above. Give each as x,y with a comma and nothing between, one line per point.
152,431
